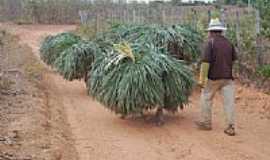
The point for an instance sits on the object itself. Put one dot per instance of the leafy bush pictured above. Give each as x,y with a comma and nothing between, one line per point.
264,7
247,33
264,71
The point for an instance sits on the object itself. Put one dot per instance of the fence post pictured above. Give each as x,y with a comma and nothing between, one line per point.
140,17
83,17
97,22
258,39
147,15
195,19
238,38
163,17
223,17
209,16
1,57
125,16
134,16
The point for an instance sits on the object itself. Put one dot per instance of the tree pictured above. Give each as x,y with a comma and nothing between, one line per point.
234,2
264,7
176,2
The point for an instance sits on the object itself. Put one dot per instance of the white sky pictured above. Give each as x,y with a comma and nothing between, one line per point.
182,0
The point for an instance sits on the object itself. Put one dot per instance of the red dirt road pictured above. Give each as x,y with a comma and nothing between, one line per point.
101,135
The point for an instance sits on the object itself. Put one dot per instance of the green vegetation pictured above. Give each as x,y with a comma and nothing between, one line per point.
129,68
180,41
76,61
137,71
54,45
129,86
247,33
41,11
264,71
264,7
86,31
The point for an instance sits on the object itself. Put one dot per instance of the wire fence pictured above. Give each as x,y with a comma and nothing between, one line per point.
244,28
144,14
243,24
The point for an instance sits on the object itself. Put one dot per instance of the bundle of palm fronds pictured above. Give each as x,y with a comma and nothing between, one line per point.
131,78
52,46
76,61
180,41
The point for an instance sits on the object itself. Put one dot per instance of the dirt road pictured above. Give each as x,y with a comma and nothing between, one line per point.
101,135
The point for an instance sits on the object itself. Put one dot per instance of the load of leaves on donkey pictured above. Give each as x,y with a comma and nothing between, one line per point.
129,79
130,68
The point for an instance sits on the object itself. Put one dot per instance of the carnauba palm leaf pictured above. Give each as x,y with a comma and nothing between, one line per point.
128,86
52,46
180,41
76,61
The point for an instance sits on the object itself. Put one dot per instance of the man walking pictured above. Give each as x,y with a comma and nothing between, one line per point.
216,75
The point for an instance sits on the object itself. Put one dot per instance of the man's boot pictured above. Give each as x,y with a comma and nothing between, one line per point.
230,130
203,125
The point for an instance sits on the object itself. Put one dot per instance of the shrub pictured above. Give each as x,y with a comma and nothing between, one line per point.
264,71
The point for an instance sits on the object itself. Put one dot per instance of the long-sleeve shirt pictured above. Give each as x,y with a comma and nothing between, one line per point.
220,54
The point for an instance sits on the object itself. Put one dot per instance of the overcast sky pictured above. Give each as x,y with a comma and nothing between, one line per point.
182,0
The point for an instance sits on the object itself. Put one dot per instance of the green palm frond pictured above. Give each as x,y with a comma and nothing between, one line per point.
129,68
52,46
177,40
76,61
128,87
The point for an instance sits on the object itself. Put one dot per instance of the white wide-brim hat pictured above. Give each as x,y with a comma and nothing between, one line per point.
216,25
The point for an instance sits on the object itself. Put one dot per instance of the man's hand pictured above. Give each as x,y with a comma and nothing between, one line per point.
202,84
